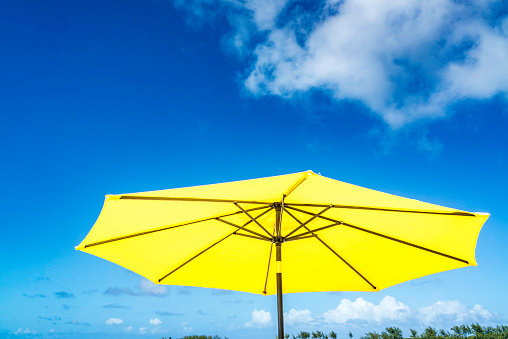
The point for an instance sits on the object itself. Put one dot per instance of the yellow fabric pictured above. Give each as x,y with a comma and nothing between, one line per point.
181,242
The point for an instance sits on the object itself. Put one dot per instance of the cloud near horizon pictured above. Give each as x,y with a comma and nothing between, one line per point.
390,311
259,318
114,321
145,288
404,60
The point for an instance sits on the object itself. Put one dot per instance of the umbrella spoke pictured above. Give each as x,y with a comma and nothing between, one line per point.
314,216
139,197
384,236
253,219
243,229
312,234
164,228
280,216
295,186
341,258
261,237
299,236
252,236
459,213
268,268
197,255
259,216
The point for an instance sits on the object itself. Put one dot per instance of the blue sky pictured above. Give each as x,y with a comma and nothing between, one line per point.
109,97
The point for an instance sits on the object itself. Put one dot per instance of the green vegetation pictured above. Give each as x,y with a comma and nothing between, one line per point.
473,331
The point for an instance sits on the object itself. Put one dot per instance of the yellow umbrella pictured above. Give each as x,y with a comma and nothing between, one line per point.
333,236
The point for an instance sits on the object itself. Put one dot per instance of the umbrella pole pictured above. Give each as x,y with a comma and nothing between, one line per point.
278,257
280,311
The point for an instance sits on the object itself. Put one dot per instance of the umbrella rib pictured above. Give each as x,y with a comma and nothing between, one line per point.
297,237
259,216
385,236
164,228
314,216
243,229
253,219
252,236
194,257
280,216
206,249
338,255
295,185
383,209
268,268
139,197
341,258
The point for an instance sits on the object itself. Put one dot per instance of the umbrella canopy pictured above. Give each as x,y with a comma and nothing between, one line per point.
323,234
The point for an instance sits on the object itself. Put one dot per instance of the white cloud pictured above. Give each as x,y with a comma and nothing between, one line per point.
155,321
264,12
142,330
403,59
389,310
149,288
360,309
25,331
114,321
294,317
478,313
129,328
185,326
259,318
485,70
451,311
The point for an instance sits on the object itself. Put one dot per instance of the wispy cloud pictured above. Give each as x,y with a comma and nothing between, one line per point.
64,295
420,282
201,312
170,314
39,279
238,301
117,291
184,291
185,326
52,318
77,323
25,331
149,288
115,305
34,295
144,288
404,60
221,292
